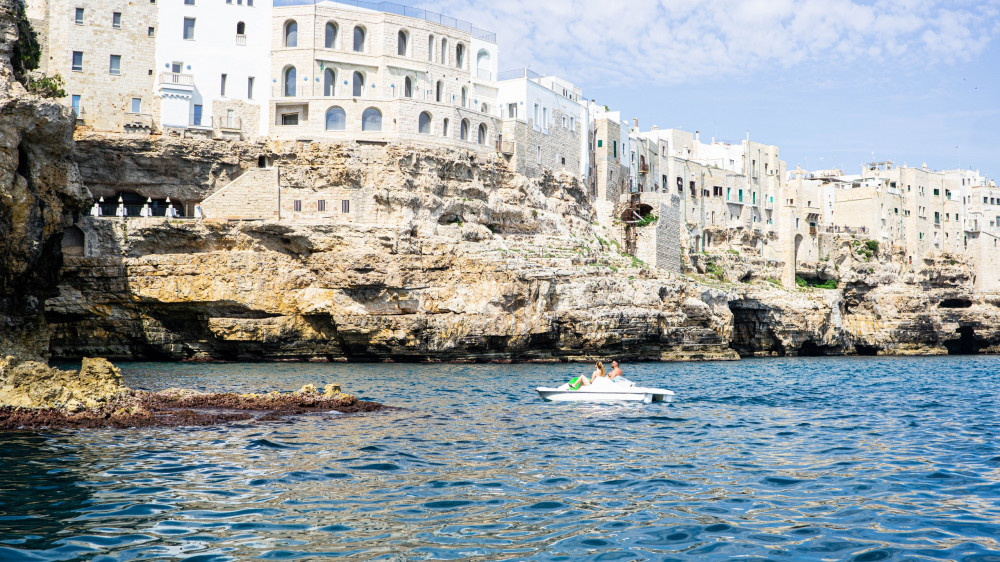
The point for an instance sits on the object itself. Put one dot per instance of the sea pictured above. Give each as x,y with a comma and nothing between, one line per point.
765,459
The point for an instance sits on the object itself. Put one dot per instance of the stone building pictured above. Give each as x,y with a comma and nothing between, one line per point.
341,72
105,52
545,124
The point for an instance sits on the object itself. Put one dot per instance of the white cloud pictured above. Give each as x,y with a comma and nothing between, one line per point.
684,41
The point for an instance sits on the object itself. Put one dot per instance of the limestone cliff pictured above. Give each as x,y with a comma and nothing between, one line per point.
453,257
40,194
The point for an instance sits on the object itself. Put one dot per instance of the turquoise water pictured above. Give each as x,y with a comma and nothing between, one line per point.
784,459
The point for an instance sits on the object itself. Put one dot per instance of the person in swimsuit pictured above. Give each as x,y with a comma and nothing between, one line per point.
615,371
582,380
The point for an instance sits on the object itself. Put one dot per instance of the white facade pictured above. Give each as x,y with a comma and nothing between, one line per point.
212,61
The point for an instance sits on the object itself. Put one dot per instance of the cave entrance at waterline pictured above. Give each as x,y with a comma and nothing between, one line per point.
133,203
967,342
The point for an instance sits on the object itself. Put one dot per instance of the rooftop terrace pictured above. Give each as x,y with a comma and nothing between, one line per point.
401,10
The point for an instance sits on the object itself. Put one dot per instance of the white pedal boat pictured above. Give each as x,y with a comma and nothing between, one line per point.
604,390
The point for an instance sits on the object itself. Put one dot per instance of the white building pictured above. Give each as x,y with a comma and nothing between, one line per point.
213,64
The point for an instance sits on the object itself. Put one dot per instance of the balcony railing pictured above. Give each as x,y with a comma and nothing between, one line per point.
177,78
228,123
972,225
643,168
241,40
484,74
518,73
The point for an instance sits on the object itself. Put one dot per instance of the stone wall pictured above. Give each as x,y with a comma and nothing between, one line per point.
253,195
536,150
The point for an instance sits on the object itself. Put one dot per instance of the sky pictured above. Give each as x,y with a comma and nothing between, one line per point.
832,83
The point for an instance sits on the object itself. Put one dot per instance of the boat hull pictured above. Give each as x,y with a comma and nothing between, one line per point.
632,394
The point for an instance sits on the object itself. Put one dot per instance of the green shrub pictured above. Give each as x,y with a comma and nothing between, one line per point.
46,86
816,284
872,245
26,52
801,282
647,220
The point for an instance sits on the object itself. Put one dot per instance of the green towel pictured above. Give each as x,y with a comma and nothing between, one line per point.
575,383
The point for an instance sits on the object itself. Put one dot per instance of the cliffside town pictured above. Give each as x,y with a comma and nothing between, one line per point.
515,221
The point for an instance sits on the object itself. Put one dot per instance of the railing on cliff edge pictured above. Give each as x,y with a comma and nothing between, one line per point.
401,10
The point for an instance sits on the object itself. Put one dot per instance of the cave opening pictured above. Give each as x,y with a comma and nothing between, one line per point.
810,349
955,303
967,342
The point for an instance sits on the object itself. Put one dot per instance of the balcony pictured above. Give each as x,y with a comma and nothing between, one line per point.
972,225
484,74
177,82
136,121
228,123
241,40
643,168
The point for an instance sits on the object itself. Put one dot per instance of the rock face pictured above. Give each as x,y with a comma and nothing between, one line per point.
457,259
40,194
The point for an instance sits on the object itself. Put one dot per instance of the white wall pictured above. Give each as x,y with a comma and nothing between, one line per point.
214,51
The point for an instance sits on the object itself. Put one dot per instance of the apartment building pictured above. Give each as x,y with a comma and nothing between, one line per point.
348,72
105,52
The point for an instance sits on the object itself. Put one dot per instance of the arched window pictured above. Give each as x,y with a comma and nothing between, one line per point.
359,84
289,82
359,39
464,131
330,39
241,28
482,133
485,108
430,48
329,82
424,123
465,96
444,128
440,91
291,34
483,64
460,56
408,87
401,43
444,50
336,119
371,120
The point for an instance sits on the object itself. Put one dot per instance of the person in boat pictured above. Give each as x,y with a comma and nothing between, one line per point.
615,371
582,380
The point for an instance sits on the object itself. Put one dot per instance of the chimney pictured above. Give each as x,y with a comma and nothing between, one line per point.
697,136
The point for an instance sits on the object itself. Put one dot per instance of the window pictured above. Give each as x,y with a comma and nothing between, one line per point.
241,28
115,65
136,105
545,118
329,82
77,60
444,50
189,2
937,191
189,29
321,206
600,143
485,108
465,96
250,88
511,110
408,87
401,41
297,205
424,123
439,89
75,104
116,20
151,32
359,39
538,154
222,86
330,38
444,128
537,117
345,206
481,138
565,121
289,118
430,48
291,34
359,84
78,17
289,82
460,56
616,149
463,132
336,119
371,120
572,124
196,116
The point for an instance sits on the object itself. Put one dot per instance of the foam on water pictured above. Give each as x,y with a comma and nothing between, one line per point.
863,458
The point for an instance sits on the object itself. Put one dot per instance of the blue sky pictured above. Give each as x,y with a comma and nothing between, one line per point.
831,82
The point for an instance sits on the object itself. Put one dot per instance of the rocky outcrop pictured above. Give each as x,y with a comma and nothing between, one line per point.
40,194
